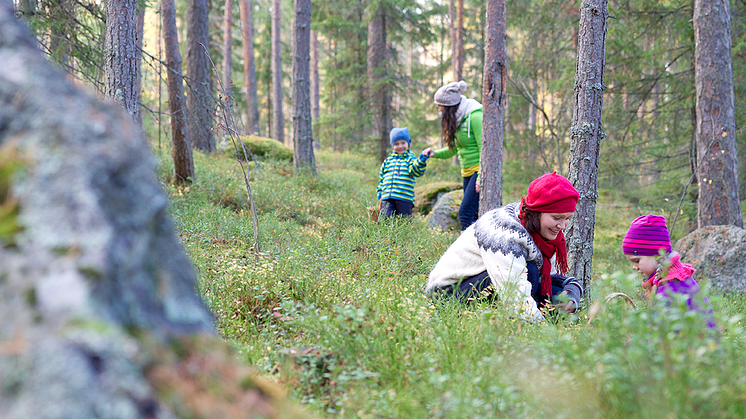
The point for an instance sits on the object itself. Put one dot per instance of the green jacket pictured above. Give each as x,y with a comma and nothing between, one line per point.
468,138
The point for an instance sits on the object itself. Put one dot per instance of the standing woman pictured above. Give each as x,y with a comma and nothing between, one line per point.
461,127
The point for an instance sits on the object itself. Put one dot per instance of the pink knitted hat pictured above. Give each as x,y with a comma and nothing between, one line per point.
646,236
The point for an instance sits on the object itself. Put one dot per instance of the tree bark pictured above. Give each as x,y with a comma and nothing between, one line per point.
315,108
120,54
719,197
227,49
303,158
199,100
138,45
380,99
458,62
738,30
279,123
182,145
495,98
252,105
59,47
452,35
586,133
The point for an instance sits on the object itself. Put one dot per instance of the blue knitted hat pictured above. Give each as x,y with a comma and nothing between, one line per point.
397,134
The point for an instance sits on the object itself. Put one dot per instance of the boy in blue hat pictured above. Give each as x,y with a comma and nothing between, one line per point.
396,177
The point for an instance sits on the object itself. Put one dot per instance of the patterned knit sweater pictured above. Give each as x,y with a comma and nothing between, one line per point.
499,244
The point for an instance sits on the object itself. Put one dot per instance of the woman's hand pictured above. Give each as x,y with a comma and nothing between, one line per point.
564,305
477,186
428,152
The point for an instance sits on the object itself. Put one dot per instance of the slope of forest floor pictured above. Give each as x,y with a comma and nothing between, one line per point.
332,306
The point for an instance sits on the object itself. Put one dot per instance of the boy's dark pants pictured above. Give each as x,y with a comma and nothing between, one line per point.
391,207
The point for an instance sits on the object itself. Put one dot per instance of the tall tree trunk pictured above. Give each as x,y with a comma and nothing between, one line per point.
278,130
138,44
120,54
199,100
495,98
719,197
452,35
227,78
315,102
59,44
182,145
252,105
228,49
303,158
315,108
586,134
458,61
738,35
380,99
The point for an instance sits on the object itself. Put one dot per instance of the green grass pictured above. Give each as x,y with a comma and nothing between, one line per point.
346,295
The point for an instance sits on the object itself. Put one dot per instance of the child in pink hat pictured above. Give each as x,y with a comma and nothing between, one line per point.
647,245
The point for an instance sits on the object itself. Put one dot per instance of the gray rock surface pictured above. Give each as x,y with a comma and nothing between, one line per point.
445,212
718,253
97,287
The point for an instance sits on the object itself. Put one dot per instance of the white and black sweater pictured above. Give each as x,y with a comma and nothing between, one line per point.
499,244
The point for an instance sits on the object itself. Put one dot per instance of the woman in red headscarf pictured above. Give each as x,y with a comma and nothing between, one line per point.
516,252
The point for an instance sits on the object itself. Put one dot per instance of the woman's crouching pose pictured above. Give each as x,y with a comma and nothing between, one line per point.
516,252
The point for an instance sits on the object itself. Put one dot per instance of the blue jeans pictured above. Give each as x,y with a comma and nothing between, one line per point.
470,288
468,212
477,286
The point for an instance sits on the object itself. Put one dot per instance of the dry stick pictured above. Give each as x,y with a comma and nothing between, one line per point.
229,127
626,298
696,169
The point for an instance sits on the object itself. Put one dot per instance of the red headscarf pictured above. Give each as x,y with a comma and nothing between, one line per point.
551,193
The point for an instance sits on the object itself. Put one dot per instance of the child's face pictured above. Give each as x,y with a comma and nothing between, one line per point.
401,146
645,265
552,223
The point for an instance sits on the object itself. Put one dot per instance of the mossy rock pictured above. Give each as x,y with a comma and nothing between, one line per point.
265,148
445,212
427,195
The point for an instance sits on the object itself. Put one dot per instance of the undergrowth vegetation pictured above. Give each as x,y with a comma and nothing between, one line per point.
333,307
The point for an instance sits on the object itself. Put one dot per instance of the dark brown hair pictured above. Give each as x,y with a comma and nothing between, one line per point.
448,125
533,219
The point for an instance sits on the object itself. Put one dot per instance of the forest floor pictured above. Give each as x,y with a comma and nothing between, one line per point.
332,307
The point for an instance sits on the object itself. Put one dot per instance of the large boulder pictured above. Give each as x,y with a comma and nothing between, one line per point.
718,253
425,196
98,301
445,212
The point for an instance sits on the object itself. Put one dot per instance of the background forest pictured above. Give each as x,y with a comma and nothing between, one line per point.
648,107
331,306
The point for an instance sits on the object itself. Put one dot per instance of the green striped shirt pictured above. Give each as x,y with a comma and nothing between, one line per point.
396,176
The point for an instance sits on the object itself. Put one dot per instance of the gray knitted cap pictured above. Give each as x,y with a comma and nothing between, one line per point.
450,94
